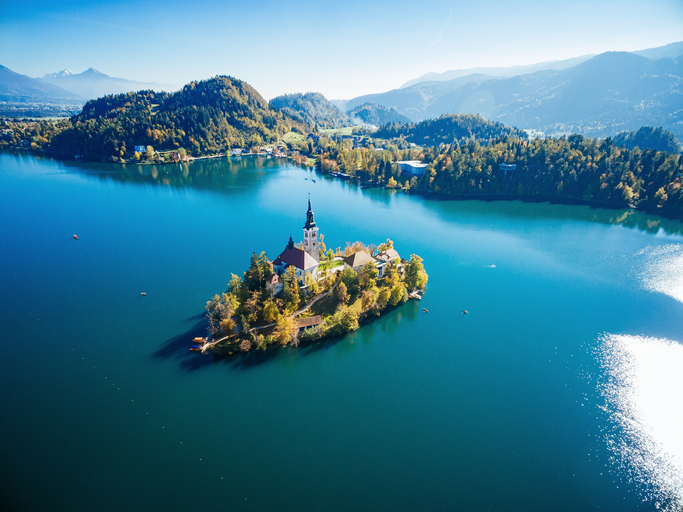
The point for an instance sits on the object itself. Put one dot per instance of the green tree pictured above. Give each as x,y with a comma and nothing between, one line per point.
415,275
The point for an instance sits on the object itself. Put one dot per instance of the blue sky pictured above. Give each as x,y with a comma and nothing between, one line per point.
342,49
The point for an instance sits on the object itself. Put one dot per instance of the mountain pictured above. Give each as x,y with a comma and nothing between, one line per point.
607,94
413,101
376,115
448,129
501,72
203,118
16,88
648,137
92,84
671,51
311,108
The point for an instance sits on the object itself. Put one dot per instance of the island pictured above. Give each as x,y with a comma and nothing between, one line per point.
309,293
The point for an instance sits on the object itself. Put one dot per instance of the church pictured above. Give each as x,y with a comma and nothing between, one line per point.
305,260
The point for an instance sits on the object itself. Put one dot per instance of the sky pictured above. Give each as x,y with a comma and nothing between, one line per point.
341,49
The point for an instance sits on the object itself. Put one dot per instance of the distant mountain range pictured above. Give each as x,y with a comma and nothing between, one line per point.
669,51
500,72
92,84
16,88
601,96
24,95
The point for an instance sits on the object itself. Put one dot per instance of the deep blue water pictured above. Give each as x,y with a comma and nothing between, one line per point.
104,408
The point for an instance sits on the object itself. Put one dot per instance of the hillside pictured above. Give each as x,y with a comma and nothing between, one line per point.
608,94
311,108
16,88
648,138
413,101
376,115
203,118
93,84
499,72
449,129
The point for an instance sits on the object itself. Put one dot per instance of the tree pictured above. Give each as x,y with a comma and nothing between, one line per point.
415,275
150,153
270,311
290,289
284,330
349,277
391,183
367,276
342,293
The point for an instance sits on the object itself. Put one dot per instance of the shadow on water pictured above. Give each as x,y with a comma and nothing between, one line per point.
178,347
388,323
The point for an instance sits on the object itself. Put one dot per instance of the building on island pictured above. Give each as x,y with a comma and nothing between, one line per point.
412,167
305,260
358,259
384,257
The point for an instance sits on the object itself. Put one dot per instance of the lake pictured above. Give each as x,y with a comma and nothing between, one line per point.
560,390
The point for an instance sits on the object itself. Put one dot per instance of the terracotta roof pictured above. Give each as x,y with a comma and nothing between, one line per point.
308,322
297,257
358,259
388,255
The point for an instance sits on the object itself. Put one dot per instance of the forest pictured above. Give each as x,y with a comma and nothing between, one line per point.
203,118
311,108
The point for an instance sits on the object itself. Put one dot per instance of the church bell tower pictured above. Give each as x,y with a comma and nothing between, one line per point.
311,240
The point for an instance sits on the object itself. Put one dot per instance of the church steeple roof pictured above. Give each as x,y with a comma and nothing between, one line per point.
310,223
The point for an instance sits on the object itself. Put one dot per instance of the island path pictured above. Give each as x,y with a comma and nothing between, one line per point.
293,315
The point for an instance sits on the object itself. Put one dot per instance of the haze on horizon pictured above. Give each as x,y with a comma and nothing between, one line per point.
342,51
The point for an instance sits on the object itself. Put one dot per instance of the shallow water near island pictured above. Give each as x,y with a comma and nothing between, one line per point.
558,391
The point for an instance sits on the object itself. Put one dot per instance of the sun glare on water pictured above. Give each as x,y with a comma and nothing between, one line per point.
663,270
643,392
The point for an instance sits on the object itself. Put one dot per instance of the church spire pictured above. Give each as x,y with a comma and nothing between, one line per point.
310,223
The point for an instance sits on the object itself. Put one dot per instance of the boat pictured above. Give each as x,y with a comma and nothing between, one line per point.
75,237
464,311
425,310
143,293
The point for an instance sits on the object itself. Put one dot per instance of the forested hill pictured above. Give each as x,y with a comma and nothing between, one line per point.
377,115
449,129
649,137
203,118
311,108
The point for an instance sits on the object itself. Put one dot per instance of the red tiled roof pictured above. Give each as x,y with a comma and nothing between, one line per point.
297,257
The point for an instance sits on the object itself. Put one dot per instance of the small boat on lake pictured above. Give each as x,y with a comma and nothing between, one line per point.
464,312
75,237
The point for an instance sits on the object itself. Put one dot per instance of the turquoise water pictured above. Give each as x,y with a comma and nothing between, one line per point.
520,405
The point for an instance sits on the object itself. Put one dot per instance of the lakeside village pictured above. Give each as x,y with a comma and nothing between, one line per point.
309,293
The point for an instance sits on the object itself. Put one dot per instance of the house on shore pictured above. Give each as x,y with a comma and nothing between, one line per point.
412,167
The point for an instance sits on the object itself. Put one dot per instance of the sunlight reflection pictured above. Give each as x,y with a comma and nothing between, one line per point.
663,270
643,393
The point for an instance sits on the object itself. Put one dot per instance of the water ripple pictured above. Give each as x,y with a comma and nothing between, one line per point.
643,392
